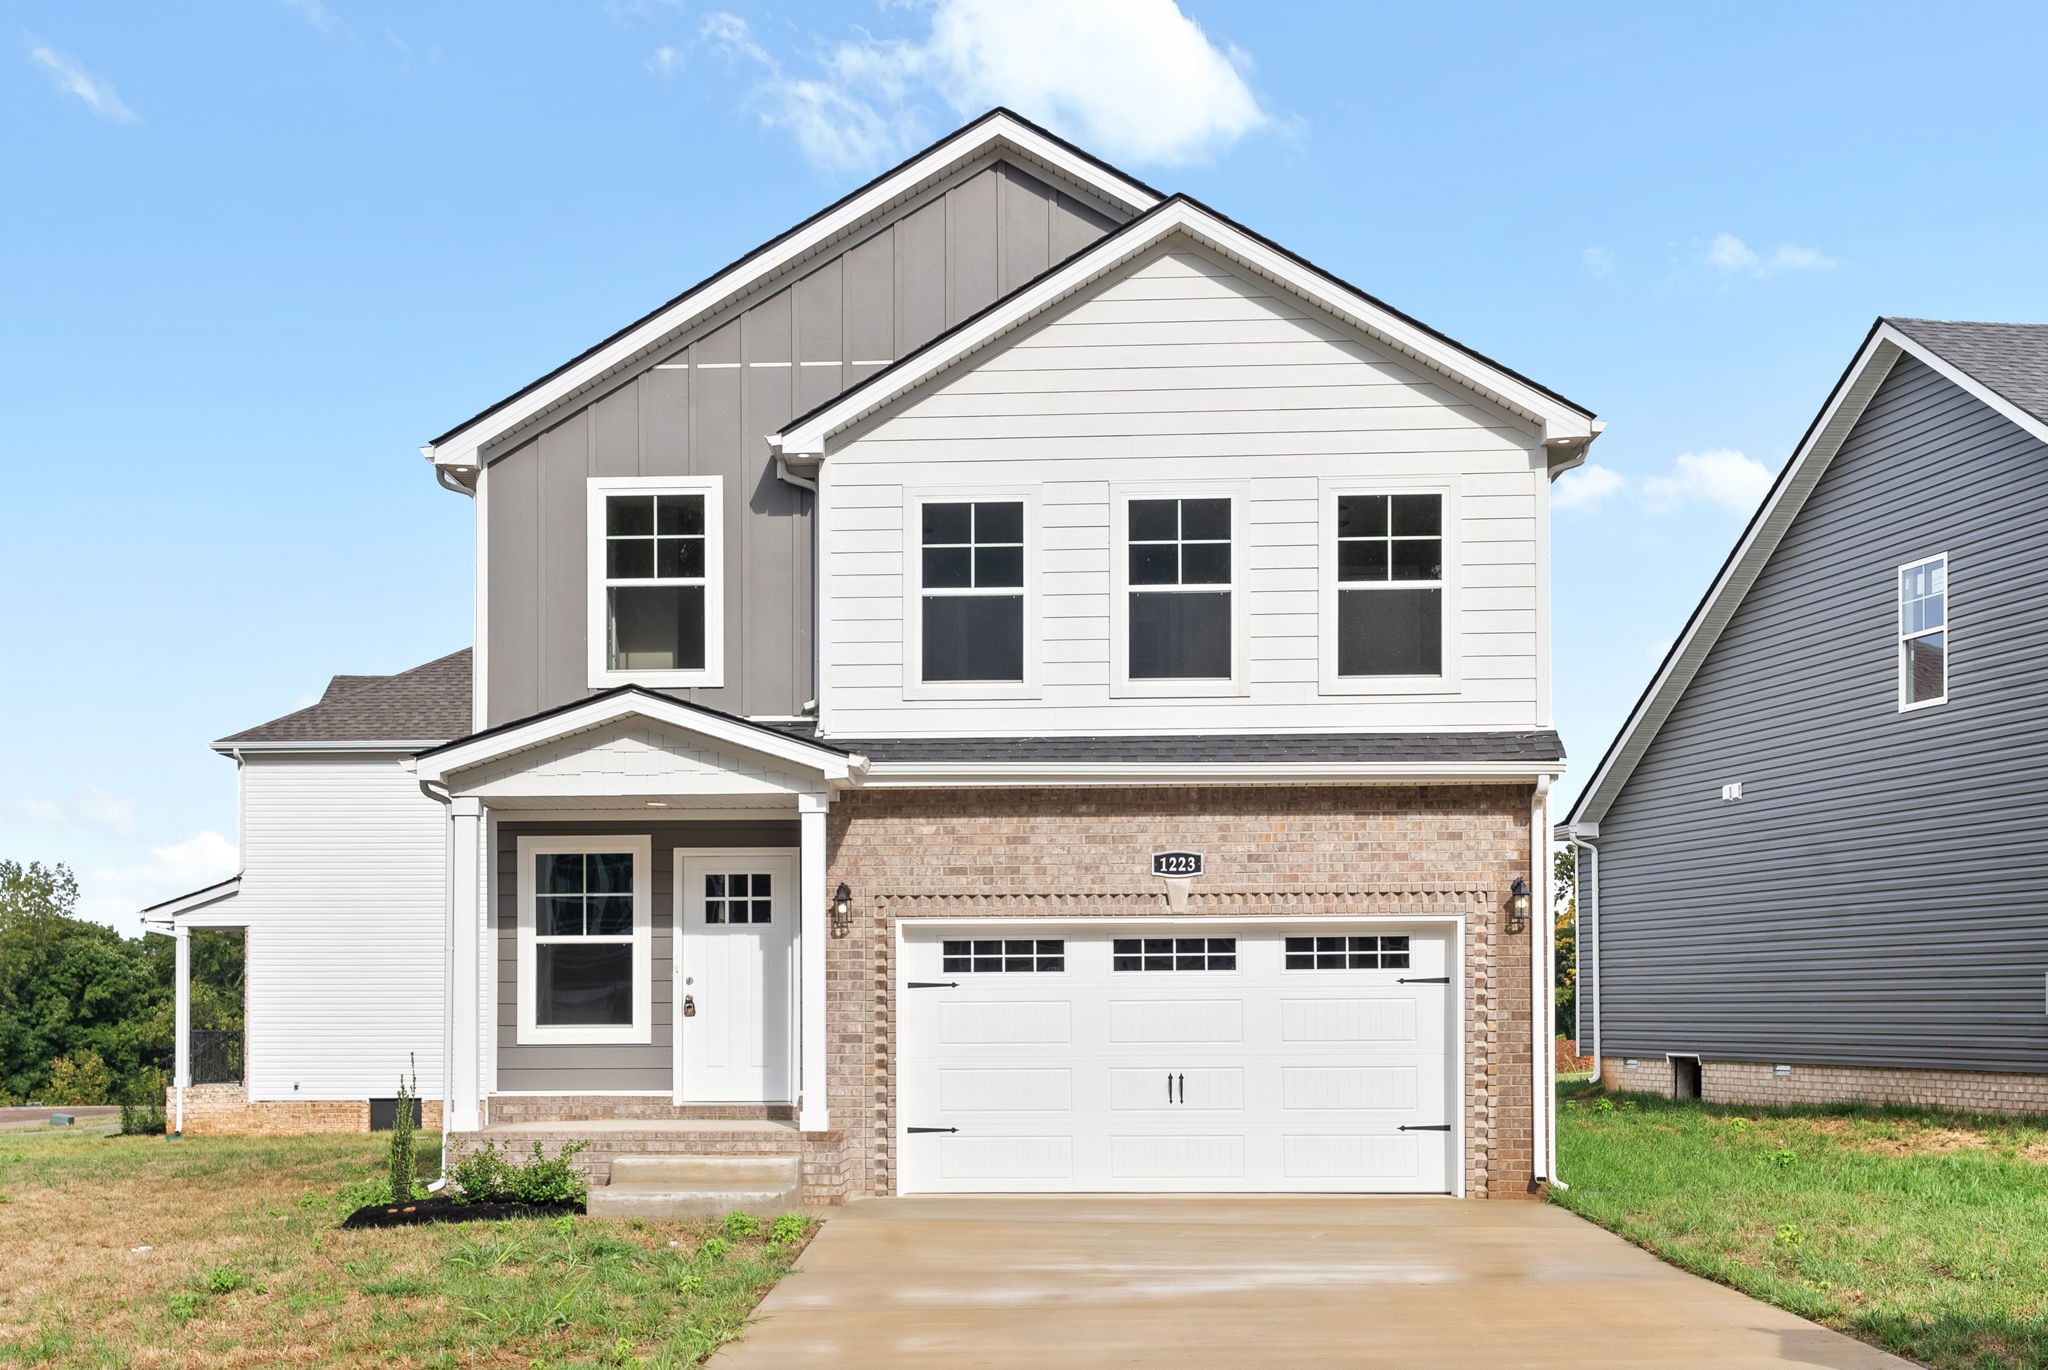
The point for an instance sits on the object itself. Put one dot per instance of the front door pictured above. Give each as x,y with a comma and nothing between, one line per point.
734,975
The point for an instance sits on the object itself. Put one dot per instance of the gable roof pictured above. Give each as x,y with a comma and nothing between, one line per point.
1562,421
412,709
1000,131
2004,366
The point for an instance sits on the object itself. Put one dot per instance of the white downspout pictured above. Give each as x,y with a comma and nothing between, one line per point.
1542,1002
182,1022
439,794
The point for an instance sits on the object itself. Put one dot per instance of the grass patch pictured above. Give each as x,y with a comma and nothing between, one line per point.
1925,1233
218,1252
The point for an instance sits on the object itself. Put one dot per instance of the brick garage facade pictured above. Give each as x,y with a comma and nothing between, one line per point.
1365,851
1753,1082
227,1111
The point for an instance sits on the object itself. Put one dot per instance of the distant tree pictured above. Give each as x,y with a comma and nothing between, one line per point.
81,1078
1565,938
72,989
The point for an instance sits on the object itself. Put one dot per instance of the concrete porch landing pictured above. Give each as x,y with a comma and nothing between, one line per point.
1221,1283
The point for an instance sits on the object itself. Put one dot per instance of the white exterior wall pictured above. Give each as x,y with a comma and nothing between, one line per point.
1182,369
343,890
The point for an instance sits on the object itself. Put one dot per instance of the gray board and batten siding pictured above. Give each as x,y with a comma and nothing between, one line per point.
1879,895
706,406
646,1068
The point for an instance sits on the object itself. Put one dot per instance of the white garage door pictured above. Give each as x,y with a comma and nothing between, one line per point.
1262,1059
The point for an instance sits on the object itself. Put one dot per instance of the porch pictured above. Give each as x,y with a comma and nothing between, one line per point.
637,926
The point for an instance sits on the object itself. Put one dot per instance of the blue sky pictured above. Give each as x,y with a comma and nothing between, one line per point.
254,254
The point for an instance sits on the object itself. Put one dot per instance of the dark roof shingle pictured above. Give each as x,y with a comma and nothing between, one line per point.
428,703
2010,358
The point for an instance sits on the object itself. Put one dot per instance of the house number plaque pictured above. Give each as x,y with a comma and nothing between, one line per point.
1180,863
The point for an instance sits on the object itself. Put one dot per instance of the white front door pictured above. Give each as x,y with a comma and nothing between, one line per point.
734,975
1304,1057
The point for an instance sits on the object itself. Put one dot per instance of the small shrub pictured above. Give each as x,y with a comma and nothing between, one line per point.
740,1226
404,1173
488,1175
787,1229
480,1175
714,1248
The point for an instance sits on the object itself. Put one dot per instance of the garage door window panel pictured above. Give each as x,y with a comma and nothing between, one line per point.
998,955
1173,953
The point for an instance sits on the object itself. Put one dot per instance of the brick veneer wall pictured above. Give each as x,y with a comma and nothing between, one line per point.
227,1111
1752,1082
1378,851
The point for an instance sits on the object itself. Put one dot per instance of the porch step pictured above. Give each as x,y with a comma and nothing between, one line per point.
645,1186
608,1140
536,1108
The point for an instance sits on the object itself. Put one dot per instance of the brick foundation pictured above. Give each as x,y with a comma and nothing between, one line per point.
1753,1082
1366,851
227,1111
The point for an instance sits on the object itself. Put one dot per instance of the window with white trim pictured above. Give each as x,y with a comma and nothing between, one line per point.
1347,953
1179,578
1172,953
1390,585
656,596
972,590
585,940
1923,632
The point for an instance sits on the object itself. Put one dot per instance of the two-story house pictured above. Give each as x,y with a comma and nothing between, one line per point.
1019,683
1809,859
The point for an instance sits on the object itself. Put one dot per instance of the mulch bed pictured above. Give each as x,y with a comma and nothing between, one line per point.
441,1209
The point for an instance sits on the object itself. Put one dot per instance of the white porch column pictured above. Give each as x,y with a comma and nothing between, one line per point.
181,980
812,931
463,1087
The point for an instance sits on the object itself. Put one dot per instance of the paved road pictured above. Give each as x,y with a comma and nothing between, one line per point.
1263,1282
22,1119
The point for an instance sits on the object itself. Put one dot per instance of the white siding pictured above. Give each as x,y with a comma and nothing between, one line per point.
1184,370
343,865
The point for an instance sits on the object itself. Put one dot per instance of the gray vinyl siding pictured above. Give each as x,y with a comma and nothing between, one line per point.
706,407
1880,894
647,1068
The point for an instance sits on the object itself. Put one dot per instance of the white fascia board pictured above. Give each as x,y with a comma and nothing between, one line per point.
1559,423
186,904
984,774
1767,527
730,733
463,447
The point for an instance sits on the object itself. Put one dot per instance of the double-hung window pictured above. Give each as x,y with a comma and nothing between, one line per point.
1389,575
1179,565
585,939
1923,632
971,591
656,603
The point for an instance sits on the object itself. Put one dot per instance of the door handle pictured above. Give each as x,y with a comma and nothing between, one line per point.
1169,1086
1183,1089
689,1006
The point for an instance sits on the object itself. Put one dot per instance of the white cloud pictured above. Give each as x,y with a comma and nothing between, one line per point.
68,76
87,808
313,12
665,61
1135,80
1585,487
115,894
1731,256
1722,476
1598,260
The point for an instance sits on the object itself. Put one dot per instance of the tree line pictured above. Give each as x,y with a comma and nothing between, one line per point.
87,1015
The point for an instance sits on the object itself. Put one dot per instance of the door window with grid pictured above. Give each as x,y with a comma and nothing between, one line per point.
1179,572
739,898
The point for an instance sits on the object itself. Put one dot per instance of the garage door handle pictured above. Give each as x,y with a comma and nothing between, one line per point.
933,984
915,1130
1405,1127
1424,980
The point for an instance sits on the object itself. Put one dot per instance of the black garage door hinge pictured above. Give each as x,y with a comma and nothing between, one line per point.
933,984
915,1130
1424,980
1405,1127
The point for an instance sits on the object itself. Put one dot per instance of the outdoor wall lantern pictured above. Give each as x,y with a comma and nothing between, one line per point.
1518,905
842,910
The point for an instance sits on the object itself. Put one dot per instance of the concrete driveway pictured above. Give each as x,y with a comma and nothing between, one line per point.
1272,1283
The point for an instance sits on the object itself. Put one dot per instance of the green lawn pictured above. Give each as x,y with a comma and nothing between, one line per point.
244,1266
1922,1232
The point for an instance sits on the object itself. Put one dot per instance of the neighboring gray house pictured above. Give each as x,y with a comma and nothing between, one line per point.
1019,683
1814,863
